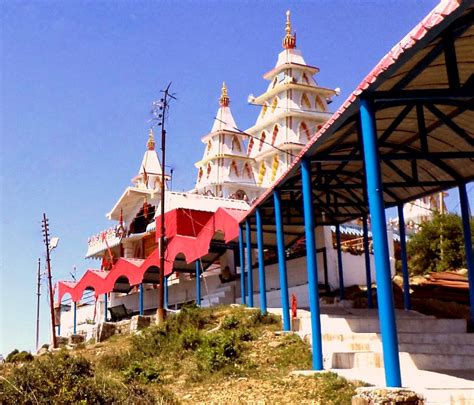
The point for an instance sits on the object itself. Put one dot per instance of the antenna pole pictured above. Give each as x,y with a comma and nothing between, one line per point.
38,293
161,312
45,227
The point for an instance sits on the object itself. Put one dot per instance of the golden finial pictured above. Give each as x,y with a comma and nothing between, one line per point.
224,100
151,140
289,41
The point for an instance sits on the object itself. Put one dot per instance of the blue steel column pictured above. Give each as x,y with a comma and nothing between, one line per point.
403,253
339,262
198,282
106,304
165,285
368,275
242,265
261,265
285,306
141,299
74,330
388,326
249,263
311,265
466,218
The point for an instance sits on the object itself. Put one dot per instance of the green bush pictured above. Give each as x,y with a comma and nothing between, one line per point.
258,319
190,339
19,357
230,322
219,350
143,372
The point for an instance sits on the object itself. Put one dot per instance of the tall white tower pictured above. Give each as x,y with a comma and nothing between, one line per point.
225,169
294,108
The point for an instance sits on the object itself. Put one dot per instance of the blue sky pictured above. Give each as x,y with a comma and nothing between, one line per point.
77,82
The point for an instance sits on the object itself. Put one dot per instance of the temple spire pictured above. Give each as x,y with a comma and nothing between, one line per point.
224,100
289,41
151,140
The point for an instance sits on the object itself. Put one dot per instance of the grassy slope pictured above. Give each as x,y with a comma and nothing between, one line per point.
223,354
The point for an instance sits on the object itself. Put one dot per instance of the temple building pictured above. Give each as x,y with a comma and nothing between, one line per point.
225,169
294,108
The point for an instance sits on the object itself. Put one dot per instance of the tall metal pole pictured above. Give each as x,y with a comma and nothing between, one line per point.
261,263
339,262
403,253
38,293
243,299
388,325
161,312
50,282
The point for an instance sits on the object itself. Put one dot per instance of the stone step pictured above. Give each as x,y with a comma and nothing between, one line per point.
352,324
421,338
421,361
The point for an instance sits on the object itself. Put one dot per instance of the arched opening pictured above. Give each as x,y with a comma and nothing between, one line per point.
236,144
261,172
234,169
275,134
122,285
248,170
144,216
275,164
152,275
262,140
304,131
209,146
250,147
320,104
209,169
264,110
305,101
200,173
274,104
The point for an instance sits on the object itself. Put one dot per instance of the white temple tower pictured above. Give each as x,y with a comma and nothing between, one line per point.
225,169
293,109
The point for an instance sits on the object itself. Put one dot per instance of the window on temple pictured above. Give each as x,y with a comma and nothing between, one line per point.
275,164
200,173
209,168
236,144
209,146
305,130
233,168
261,172
275,134
305,101
264,110
305,79
262,141
274,103
320,104
248,170
251,142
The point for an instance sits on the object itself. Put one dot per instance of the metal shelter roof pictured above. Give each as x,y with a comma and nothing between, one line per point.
422,92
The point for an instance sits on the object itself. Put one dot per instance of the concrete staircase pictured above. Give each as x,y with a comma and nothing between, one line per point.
220,296
436,355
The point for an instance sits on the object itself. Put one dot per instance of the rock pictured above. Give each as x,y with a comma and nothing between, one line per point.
104,331
75,339
392,396
139,322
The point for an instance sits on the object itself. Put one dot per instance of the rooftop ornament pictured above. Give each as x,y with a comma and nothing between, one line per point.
224,100
289,41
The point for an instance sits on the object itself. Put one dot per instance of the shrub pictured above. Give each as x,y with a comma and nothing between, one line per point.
230,322
144,372
258,319
190,339
218,350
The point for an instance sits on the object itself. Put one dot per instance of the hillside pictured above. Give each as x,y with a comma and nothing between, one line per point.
223,354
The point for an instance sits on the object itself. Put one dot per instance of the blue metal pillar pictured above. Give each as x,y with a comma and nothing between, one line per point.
368,275
261,265
312,265
339,262
249,263
242,265
59,330
285,305
388,326
106,305
403,253
74,330
141,299
466,218
198,282
165,293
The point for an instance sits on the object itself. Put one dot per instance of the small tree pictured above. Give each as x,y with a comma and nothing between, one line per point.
438,245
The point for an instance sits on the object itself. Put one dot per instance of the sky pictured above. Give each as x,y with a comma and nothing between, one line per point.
77,82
